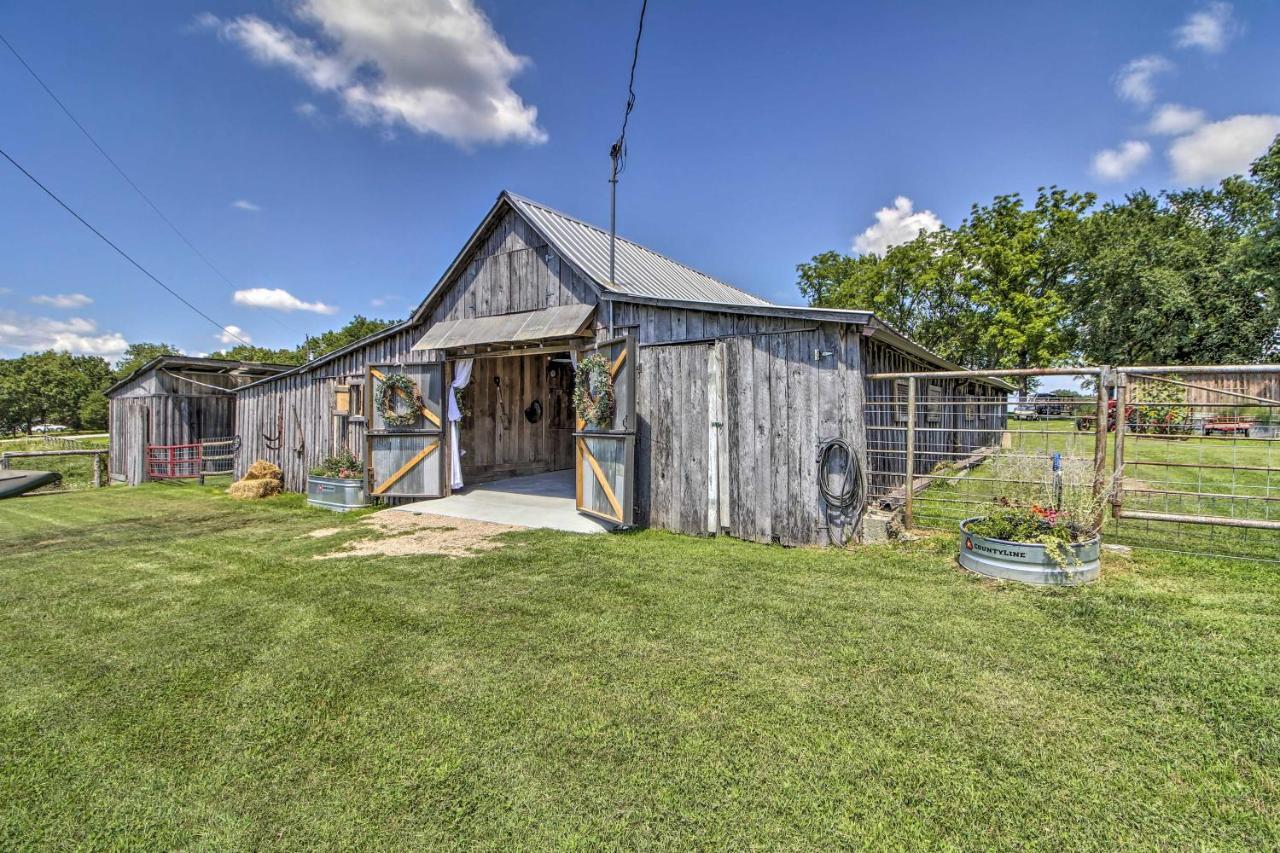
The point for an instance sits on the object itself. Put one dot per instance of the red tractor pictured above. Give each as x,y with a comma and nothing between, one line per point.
1086,423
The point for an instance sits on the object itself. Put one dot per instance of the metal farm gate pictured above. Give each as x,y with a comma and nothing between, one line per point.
1179,459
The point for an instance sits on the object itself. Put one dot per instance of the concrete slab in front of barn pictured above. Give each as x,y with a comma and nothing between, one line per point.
536,500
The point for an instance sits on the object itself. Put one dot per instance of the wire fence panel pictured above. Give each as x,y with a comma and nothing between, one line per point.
969,452
1181,461
1198,463
218,455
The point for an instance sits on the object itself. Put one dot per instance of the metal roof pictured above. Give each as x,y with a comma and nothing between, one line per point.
638,271
197,364
559,321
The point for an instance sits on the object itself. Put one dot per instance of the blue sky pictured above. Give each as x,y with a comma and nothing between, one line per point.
331,156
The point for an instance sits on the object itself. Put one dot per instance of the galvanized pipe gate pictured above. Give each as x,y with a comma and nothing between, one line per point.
1192,467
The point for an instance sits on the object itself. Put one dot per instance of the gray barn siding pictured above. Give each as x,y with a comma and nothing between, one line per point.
158,408
511,270
779,405
305,401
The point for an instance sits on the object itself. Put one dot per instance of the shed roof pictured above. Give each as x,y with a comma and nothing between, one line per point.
554,323
254,369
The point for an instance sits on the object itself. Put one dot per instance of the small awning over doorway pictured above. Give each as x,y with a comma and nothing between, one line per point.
527,327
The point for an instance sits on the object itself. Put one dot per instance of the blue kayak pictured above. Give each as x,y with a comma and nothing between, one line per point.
14,483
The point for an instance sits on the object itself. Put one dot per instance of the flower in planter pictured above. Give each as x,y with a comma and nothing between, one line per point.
345,465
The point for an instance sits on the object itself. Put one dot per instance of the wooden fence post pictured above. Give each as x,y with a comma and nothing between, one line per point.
908,504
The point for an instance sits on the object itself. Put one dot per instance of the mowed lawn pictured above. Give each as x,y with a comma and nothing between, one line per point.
177,670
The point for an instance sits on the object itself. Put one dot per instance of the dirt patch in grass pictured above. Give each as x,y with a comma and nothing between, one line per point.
403,534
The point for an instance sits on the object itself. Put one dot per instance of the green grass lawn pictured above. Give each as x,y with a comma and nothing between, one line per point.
177,671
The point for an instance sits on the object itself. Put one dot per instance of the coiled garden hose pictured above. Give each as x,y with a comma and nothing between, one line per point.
843,504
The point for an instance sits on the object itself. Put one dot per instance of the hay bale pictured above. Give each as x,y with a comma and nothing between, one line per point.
251,490
264,470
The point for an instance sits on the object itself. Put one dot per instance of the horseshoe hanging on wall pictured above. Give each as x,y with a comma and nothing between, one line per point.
273,442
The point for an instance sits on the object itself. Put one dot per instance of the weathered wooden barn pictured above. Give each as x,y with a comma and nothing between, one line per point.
173,400
722,397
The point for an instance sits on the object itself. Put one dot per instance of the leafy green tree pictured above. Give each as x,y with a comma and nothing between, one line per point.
1016,269
48,387
1184,277
358,327
313,347
139,354
94,411
991,293
249,352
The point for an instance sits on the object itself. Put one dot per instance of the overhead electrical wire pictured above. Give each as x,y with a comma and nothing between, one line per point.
175,294
154,207
618,152
618,159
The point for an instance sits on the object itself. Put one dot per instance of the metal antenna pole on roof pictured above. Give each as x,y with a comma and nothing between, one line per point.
618,159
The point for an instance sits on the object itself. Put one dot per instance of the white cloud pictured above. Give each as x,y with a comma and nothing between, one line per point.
1222,148
1116,164
434,66
306,109
245,204
1135,82
1174,120
63,300
232,335
76,335
1209,29
278,300
894,225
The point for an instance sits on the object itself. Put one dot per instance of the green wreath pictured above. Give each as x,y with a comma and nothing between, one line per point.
387,400
593,390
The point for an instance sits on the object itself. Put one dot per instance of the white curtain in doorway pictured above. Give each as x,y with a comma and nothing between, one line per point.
461,378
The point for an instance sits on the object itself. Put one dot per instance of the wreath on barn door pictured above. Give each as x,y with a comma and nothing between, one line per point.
387,400
593,390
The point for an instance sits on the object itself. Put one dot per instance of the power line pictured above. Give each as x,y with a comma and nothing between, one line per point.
619,150
158,212
618,158
175,294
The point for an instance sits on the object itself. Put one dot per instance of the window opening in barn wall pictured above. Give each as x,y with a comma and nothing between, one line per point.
900,393
971,403
933,408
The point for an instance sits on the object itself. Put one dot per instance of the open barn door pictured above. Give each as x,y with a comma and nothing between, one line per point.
406,435
604,453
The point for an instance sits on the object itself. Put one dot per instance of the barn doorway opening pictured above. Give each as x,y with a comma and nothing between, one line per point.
518,421
516,439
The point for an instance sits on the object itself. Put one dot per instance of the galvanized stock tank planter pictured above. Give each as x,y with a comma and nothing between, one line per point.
1026,562
336,493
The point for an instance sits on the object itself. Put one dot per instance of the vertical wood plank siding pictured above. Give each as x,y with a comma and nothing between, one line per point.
161,409
780,403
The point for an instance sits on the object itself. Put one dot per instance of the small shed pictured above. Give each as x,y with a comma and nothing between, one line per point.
174,400
722,398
